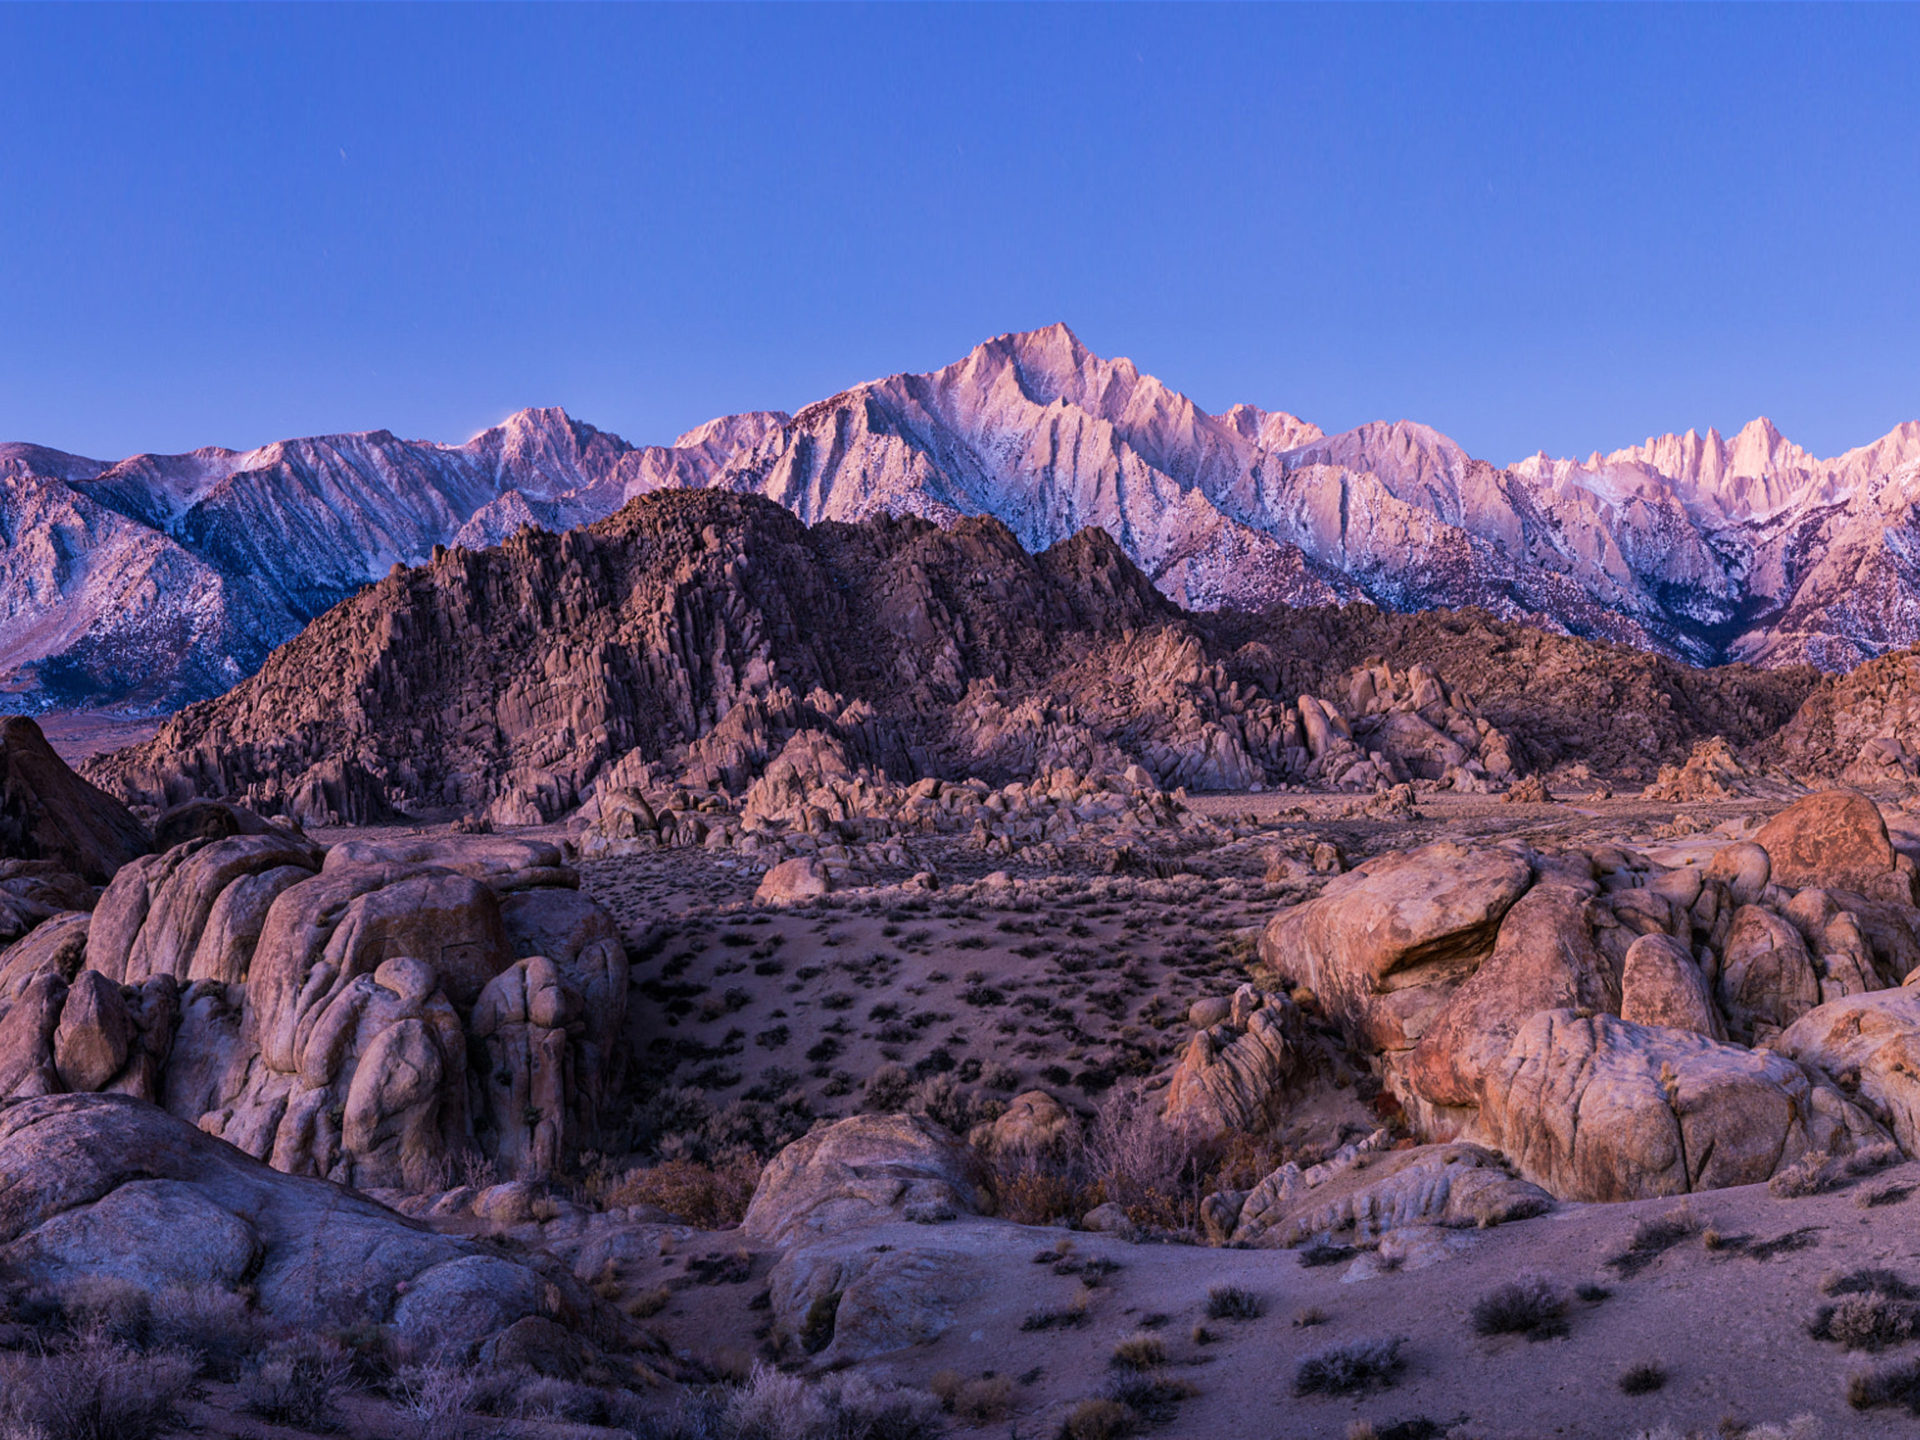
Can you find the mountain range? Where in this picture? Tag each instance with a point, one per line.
(157, 580)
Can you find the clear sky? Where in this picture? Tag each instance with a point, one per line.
(1551, 226)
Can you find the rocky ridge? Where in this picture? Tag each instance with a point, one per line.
(701, 664)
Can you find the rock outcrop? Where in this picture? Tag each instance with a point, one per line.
(371, 1014)
(1591, 1015)
(105, 1187)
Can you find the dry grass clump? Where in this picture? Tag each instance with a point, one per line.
(1531, 1306)
(710, 1197)
(1816, 1172)
(1351, 1369)
(1233, 1302)
(1653, 1237)
(982, 1401)
(1643, 1378)
(1139, 1351)
(1886, 1386)
(93, 1387)
(1099, 1419)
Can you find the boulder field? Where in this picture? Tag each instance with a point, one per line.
(1615, 1028)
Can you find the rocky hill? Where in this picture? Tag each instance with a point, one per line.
(698, 632)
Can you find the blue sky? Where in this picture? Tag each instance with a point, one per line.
(1550, 226)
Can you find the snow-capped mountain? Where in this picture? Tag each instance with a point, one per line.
(165, 578)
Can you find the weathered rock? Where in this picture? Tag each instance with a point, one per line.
(49, 813)
(861, 1171)
(1836, 840)
(1766, 979)
(1870, 1046)
(1231, 1077)
(1375, 1193)
(1593, 1108)
(844, 1302)
(96, 1033)
(1385, 945)
(107, 1186)
(792, 881)
(1544, 959)
(1744, 868)
(1661, 984)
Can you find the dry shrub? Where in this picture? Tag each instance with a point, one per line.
(1150, 1169)
(1531, 1306)
(1867, 1321)
(710, 1197)
(207, 1321)
(93, 1388)
(1350, 1369)
(1139, 1351)
(1038, 1188)
(1884, 1386)
(888, 1090)
(296, 1383)
(842, 1406)
(437, 1398)
(1099, 1420)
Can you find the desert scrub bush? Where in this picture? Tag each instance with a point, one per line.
(981, 1401)
(1099, 1419)
(436, 1398)
(214, 1324)
(1866, 1320)
(1147, 1167)
(1529, 1306)
(1814, 1173)
(1138, 1351)
(841, 1406)
(295, 1382)
(1066, 1317)
(1653, 1237)
(1350, 1369)
(93, 1388)
(710, 1197)
(1884, 1386)
(887, 1090)
(1038, 1187)
(1643, 1378)
(1232, 1302)
(542, 1397)
(1155, 1399)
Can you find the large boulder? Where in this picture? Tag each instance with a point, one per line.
(1836, 840)
(1385, 945)
(49, 813)
(1543, 959)
(1767, 980)
(1870, 1046)
(107, 1187)
(1366, 1195)
(1662, 984)
(1595, 1108)
(862, 1171)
